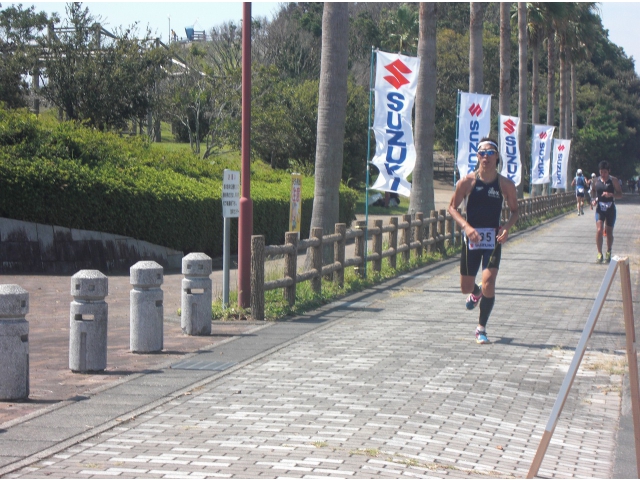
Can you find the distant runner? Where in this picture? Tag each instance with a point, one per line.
(581, 186)
(607, 190)
(483, 235)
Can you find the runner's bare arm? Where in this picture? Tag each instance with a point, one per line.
(510, 196)
(618, 189)
(463, 188)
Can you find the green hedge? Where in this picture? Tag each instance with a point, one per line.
(68, 175)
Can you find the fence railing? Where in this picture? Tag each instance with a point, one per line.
(435, 233)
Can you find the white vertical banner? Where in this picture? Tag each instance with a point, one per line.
(509, 148)
(559, 174)
(541, 153)
(474, 122)
(395, 91)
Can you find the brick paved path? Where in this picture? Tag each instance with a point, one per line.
(395, 386)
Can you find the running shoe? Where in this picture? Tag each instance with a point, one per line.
(599, 258)
(473, 300)
(481, 336)
(607, 257)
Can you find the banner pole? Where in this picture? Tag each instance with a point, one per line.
(531, 164)
(366, 197)
(455, 149)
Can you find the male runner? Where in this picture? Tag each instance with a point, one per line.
(607, 191)
(485, 190)
(581, 185)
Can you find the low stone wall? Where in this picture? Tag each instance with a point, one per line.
(27, 247)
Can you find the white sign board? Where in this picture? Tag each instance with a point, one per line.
(231, 194)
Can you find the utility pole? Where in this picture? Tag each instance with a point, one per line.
(245, 224)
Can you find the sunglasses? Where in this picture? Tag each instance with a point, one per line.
(485, 153)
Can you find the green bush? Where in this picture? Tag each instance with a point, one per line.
(75, 177)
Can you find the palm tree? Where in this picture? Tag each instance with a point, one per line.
(522, 79)
(422, 195)
(475, 46)
(505, 59)
(552, 13)
(332, 105)
(584, 31)
(405, 27)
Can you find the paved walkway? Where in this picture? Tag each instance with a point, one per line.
(386, 383)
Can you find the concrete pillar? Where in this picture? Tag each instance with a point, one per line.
(88, 322)
(14, 343)
(146, 308)
(196, 294)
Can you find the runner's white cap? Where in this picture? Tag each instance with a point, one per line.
(579, 172)
(593, 174)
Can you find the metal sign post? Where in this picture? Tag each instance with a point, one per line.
(627, 303)
(230, 209)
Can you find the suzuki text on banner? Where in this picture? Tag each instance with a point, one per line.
(474, 122)
(541, 153)
(395, 157)
(509, 148)
(560, 163)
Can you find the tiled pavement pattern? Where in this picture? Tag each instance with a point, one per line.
(398, 387)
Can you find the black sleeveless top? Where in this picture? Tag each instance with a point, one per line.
(602, 187)
(484, 204)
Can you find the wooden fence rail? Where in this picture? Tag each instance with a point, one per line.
(435, 233)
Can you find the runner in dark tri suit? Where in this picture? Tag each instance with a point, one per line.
(485, 190)
(581, 188)
(607, 190)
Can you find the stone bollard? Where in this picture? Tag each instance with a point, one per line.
(88, 329)
(14, 343)
(196, 294)
(146, 310)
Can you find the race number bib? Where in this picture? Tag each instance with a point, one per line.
(487, 239)
(604, 206)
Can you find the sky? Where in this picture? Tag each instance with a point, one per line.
(159, 15)
(620, 18)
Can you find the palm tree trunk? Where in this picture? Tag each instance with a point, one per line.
(567, 93)
(522, 82)
(535, 93)
(563, 91)
(535, 80)
(476, 80)
(505, 59)
(551, 77)
(574, 101)
(332, 104)
(422, 194)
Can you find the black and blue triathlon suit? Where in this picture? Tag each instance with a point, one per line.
(484, 209)
(580, 186)
(605, 207)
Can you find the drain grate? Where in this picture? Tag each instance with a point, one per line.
(202, 365)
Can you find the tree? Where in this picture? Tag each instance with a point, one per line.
(19, 30)
(189, 95)
(403, 30)
(332, 103)
(476, 80)
(505, 58)
(522, 81)
(422, 195)
(97, 77)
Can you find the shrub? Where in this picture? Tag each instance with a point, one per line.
(74, 177)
